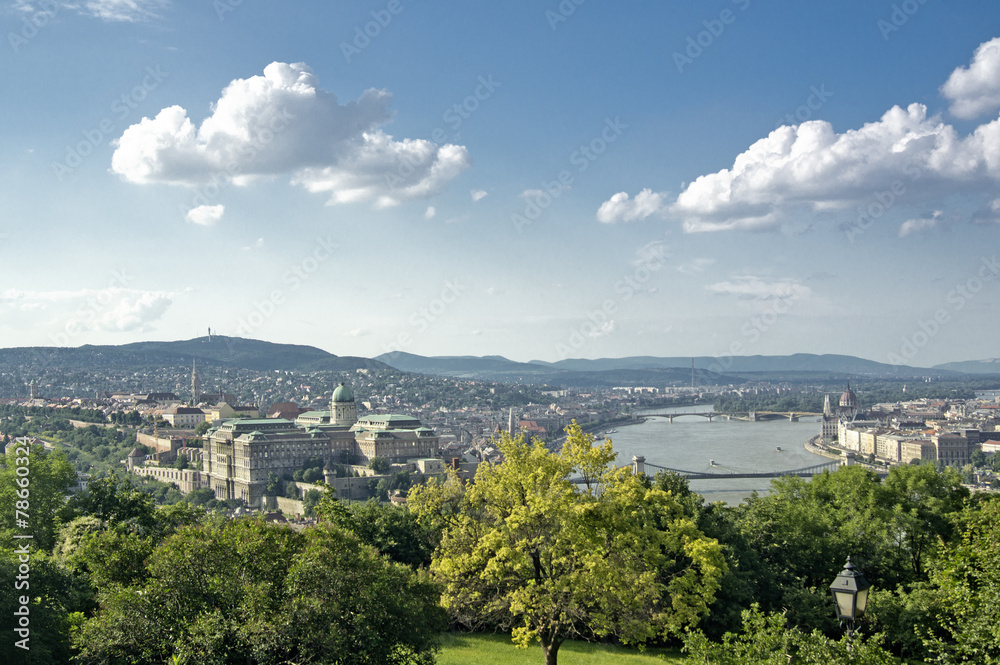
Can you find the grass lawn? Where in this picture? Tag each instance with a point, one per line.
(483, 649)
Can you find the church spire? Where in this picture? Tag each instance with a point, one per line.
(195, 383)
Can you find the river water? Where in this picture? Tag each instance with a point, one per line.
(690, 443)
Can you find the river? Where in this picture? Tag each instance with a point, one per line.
(692, 442)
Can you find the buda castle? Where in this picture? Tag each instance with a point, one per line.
(239, 454)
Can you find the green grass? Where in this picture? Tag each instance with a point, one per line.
(482, 649)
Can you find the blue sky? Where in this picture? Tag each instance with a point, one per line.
(539, 180)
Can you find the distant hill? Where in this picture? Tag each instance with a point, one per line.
(484, 367)
(236, 352)
(798, 362)
(988, 366)
(652, 370)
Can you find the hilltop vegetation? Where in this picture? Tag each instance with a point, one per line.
(621, 559)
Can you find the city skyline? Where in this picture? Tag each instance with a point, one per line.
(538, 181)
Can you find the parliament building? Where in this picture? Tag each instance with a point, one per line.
(240, 454)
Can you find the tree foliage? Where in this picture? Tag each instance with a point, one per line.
(967, 580)
(42, 487)
(246, 592)
(526, 550)
(766, 640)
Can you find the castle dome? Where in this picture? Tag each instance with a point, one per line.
(343, 394)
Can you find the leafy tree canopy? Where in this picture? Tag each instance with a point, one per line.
(526, 549)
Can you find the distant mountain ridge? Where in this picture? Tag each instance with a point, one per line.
(988, 366)
(656, 370)
(219, 350)
(238, 352)
(797, 362)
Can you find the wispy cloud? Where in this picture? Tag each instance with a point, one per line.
(112, 309)
(118, 11)
(748, 287)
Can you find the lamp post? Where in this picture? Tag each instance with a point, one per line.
(850, 592)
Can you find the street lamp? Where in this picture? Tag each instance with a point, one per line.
(850, 591)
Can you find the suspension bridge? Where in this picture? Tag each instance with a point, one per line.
(639, 465)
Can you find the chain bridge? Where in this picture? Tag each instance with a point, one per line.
(640, 464)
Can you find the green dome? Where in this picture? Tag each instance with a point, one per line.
(343, 394)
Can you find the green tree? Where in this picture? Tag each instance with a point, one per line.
(526, 550)
(275, 486)
(312, 475)
(379, 465)
(244, 591)
(766, 640)
(393, 530)
(804, 530)
(309, 502)
(39, 491)
(115, 500)
(967, 579)
(57, 599)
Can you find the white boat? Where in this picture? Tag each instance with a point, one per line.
(712, 462)
(778, 448)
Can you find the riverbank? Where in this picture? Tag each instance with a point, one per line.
(814, 446)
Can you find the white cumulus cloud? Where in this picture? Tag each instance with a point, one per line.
(478, 194)
(430, 212)
(798, 170)
(282, 123)
(975, 90)
(912, 226)
(619, 208)
(206, 215)
(811, 167)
